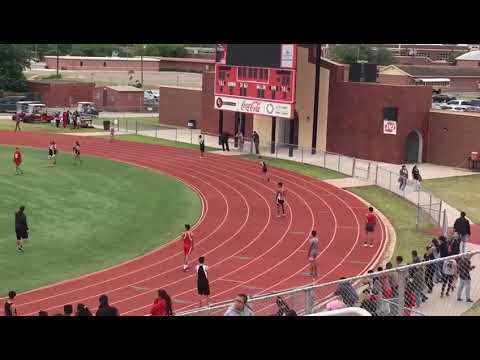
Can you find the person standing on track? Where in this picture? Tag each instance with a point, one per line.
(371, 221)
(18, 118)
(187, 246)
(9, 307)
(313, 253)
(280, 199)
(76, 153)
(265, 170)
(203, 285)
(201, 142)
(21, 227)
(17, 160)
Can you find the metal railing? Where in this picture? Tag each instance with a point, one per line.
(401, 291)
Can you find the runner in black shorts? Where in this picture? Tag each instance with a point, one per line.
(280, 198)
(76, 153)
(21, 227)
(264, 169)
(51, 154)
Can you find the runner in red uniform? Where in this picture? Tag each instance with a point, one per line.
(280, 199)
(187, 246)
(371, 221)
(17, 160)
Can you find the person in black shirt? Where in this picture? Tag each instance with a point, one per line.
(21, 227)
(104, 309)
(9, 306)
(82, 310)
(67, 310)
(462, 228)
(224, 140)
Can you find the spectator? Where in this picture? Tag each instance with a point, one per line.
(429, 268)
(291, 313)
(224, 140)
(464, 268)
(256, 142)
(21, 227)
(42, 313)
(104, 309)
(392, 279)
(347, 293)
(162, 305)
(368, 302)
(444, 251)
(239, 307)
(417, 177)
(449, 269)
(410, 298)
(57, 119)
(403, 179)
(67, 310)
(462, 228)
(387, 291)
(454, 245)
(418, 275)
(9, 307)
(82, 310)
(377, 284)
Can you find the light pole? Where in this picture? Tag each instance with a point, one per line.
(57, 61)
(141, 64)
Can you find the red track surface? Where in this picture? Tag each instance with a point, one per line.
(248, 249)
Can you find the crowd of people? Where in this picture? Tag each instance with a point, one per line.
(403, 178)
(67, 118)
(379, 295)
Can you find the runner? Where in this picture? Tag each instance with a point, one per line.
(201, 141)
(313, 253)
(265, 170)
(371, 221)
(54, 152)
(280, 198)
(187, 246)
(76, 153)
(203, 285)
(9, 307)
(51, 154)
(21, 227)
(17, 160)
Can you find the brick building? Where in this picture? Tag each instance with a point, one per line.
(127, 64)
(60, 93)
(120, 98)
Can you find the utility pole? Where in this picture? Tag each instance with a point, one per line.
(57, 61)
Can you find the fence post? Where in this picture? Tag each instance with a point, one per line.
(417, 218)
(324, 159)
(353, 167)
(136, 127)
(368, 171)
(276, 150)
(191, 136)
(176, 134)
(339, 162)
(308, 301)
(156, 132)
(440, 213)
(390, 182)
(430, 207)
(126, 125)
(302, 153)
(376, 175)
(401, 291)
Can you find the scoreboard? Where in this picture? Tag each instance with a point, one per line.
(256, 78)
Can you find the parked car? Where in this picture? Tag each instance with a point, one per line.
(151, 95)
(474, 106)
(457, 105)
(37, 113)
(87, 108)
(442, 98)
(9, 103)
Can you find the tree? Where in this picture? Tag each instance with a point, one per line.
(453, 55)
(13, 60)
(351, 53)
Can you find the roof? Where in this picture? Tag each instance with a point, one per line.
(58, 81)
(125, 88)
(472, 55)
(116, 58)
(439, 71)
(181, 87)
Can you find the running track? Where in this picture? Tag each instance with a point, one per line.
(248, 249)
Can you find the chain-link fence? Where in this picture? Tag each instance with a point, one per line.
(429, 286)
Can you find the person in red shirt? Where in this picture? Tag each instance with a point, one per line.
(187, 246)
(162, 306)
(371, 221)
(17, 160)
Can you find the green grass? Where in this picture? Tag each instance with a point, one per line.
(129, 122)
(462, 192)
(9, 125)
(402, 215)
(305, 169)
(84, 218)
(158, 141)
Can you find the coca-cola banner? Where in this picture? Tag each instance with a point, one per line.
(389, 127)
(254, 106)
